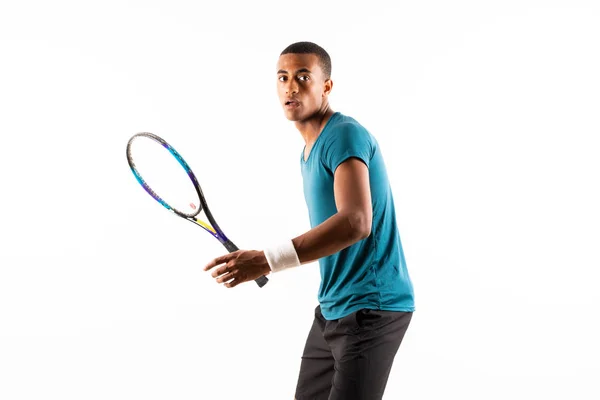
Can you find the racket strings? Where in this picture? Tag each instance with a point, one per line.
(164, 175)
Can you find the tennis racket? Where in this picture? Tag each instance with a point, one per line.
(167, 177)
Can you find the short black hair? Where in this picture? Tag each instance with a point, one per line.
(311, 48)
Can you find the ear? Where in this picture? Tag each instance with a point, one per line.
(327, 87)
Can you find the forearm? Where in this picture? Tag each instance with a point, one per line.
(335, 234)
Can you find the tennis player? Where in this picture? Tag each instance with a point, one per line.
(366, 297)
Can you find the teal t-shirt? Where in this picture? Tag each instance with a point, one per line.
(371, 273)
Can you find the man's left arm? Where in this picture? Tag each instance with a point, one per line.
(353, 219)
(350, 224)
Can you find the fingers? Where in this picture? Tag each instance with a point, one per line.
(231, 279)
(233, 283)
(218, 261)
(219, 271)
(226, 271)
(226, 277)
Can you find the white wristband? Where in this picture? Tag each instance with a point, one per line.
(282, 256)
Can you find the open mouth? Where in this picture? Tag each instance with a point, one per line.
(291, 103)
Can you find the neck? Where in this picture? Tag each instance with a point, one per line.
(311, 128)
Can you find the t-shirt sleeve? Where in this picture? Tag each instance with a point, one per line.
(349, 140)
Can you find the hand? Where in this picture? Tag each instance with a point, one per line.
(239, 266)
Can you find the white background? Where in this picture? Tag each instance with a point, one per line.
(488, 117)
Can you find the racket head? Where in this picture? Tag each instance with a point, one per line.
(164, 174)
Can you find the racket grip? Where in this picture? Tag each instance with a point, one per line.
(230, 246)
(262, 281)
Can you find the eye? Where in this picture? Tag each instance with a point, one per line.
(303, 78)
(282, 78)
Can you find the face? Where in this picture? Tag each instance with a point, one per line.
(301, 86)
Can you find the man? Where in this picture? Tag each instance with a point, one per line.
(366, 296)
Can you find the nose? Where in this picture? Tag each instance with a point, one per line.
(291, 87)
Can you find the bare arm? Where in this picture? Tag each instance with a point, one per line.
(351, 223)
(353, 219)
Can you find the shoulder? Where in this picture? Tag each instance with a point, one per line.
(346, 128)
(347, 138)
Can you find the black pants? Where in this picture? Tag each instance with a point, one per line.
(350, 358)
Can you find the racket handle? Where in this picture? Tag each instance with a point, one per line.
(230, 246)
(262, 281)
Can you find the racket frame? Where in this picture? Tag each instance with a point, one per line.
(213, 228)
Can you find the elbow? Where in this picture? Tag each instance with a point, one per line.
(360, 225)
(365, 232)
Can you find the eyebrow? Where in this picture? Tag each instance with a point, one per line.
(282, 71)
